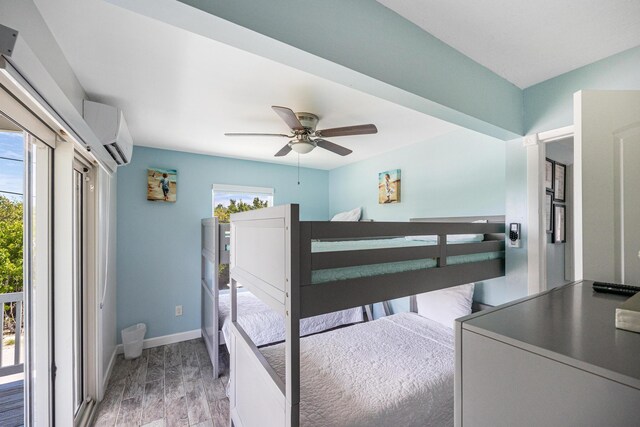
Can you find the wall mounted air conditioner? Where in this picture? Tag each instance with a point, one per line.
(108, 124)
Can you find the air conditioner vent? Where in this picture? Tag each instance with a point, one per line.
(108, 124)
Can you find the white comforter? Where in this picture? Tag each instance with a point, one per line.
(265, 326)
(395, 371)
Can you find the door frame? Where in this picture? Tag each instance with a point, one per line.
(535, 145)
(84, 165)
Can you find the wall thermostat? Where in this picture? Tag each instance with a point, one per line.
(514, 235)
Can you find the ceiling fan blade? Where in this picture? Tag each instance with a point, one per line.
(335, 148)
(283, 151)
(348, 131)
(289, 117)
(257, 134)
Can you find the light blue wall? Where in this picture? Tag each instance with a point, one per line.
(549, 105)
(159, 243)
(515, 285)
(458, 174)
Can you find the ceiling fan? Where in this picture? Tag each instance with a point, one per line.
(305, 137)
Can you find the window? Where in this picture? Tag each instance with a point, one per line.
(228, 199)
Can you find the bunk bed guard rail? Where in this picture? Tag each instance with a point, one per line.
(271, 249)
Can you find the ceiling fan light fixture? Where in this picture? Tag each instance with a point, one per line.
(302, 147)
(303, 128)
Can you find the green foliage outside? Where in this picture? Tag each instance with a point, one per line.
(223, 213)
(10, 245)
(10, 255)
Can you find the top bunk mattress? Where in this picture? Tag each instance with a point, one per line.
(265, 326)
(344, 273)
(397, 370)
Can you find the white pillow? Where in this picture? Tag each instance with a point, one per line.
(352, 215)
(446, 305)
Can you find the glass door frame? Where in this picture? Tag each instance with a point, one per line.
(38, 280)
(39, 143)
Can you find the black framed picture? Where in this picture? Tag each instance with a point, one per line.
(560, 223)
(548, 214)
(559, 181)
(548, 174)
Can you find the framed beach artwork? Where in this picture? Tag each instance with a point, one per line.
(389, 186)
(161, 185)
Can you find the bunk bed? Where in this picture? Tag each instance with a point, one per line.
(302, 269)
(262, 324)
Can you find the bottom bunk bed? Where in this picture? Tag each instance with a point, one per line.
(392, 371)
(264, 326)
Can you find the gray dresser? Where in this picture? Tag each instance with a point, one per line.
(554, 359)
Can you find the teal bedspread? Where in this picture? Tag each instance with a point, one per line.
(333, 274)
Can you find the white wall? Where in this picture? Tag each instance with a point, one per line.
(23, 15)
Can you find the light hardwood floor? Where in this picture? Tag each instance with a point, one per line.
(172, 385)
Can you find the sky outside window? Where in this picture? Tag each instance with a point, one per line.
(11, 171)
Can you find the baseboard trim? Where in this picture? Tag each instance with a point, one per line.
(107, 375)
(166, 339)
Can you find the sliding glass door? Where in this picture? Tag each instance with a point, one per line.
(25, 261)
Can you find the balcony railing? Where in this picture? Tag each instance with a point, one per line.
(14, 363)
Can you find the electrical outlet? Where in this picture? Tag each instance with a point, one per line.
(178, 310)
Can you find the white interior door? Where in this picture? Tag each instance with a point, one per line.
(606, 179)
(627, 204)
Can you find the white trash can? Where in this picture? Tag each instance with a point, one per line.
(132, 339)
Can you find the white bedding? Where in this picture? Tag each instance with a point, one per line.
(265, 326)
(394, 371)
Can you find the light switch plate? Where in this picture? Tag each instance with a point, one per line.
(178, 310)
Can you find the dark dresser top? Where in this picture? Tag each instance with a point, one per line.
(571, 324)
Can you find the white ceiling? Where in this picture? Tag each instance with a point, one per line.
(182, 91)
(528, 41)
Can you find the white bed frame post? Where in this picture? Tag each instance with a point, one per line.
(266, 254)
(292, 303)
(209, 289)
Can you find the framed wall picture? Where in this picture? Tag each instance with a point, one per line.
(389, 186)
(548, 214)
(560, 223)
(162, 185)
(559, 181)
(548, 174)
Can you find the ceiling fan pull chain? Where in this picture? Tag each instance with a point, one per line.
(298, 168)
